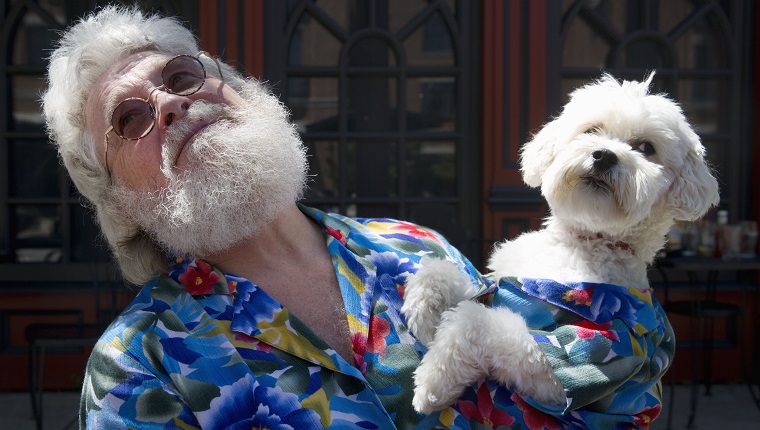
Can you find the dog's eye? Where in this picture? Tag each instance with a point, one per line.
(594, 129)
(644, 147)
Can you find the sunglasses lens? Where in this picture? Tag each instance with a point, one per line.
(183, 75)
(132, 118)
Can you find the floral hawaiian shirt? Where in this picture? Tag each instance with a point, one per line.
(198, 348)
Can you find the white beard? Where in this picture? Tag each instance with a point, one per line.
(242, 171)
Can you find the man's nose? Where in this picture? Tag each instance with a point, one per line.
(170, 107)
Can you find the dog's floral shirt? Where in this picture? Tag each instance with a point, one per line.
(609, 346)
(199, 348)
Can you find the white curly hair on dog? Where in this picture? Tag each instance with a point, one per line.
(616, 167)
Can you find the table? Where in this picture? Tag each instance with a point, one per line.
(707, 307)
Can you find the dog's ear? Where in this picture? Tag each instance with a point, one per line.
(695, 189)
(538, 154)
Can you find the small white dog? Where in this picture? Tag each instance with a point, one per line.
(616, 168)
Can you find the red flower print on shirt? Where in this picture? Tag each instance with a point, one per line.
(484, 412)
(645, 417)
(588, 329)
(535, 419)
(359, 344)
(580, 297)
(414, 230)
(379, 328)
(255, 343)
(199, 281)
(336, 234)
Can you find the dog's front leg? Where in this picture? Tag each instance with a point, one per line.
(438, 286)
(452, 362)
(472, 342)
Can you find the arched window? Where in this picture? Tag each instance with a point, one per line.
(382, 95)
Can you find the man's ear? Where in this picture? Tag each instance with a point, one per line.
(538, 154)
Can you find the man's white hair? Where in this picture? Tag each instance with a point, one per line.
(84, 53)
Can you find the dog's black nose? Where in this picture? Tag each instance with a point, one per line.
(604, 159)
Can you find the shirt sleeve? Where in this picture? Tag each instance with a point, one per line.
(119, 392)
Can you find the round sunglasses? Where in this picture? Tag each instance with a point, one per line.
(134, 118)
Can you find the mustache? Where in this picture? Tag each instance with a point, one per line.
(199, 112)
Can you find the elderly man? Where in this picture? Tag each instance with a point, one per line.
(256, 312)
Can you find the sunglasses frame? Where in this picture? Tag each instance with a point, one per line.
(163, 88)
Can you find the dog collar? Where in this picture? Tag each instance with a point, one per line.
(625, 246)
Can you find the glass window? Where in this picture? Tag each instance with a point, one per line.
(372, 104)
(432, 103)
(324, 169)
(314, 103)
(37, 234)
(372, 169)
(34, 169)
(431, 168)
(379, 103)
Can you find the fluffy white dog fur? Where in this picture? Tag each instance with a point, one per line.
(617, 167)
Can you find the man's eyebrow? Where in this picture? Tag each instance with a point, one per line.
(113, 99)
(115, 96)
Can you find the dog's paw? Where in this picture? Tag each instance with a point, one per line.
(435, 288)
(432, 394)
(452, 361)
(518, 361)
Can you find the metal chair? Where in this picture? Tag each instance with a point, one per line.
(702, 311)
(64, 338)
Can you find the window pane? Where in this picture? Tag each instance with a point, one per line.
(314, 103)
(431, 44)
(34, 37)
(375, 211)
(703, 46)
(701, 100)
(718, 159)
(441, 218)
(34, 169)
(372, 104)
(584, 46)
(372, 169)
(400, 12)
(645, 53)
(25, 93)
(343, 12)
(432, 104)
(313, 45)
(568, 85)
(431, 169)
(37, 233)
(672, 12)
(87, 242)
(613, 11)
(324, 169)
(371, 52)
